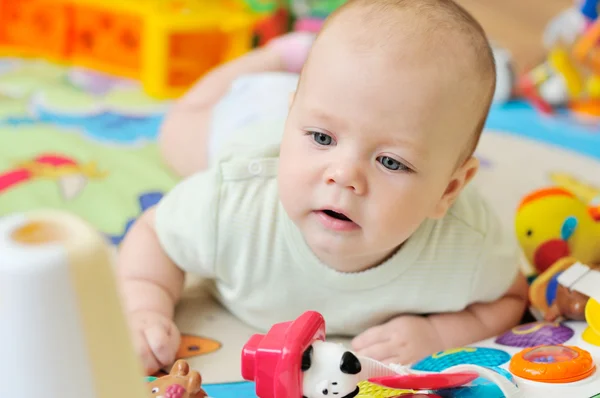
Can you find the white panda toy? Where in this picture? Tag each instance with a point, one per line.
(330, 370)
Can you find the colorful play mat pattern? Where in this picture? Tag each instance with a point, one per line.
(84, 142)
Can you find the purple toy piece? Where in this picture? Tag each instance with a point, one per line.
(536, 333)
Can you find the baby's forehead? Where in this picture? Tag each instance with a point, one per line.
(433, 42)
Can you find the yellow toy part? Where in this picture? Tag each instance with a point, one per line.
(370, 390)
(560, 59)
(582, 189)
(592, 316)
(552, 223)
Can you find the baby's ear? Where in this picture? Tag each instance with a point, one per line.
(461, 177)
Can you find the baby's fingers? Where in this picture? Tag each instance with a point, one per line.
(149, 361)
(163, 342)
(379, 351)
(370, 337)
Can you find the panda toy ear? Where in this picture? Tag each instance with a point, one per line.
(307, 359)
(350, 364)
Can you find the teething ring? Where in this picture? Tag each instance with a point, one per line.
(553, 364)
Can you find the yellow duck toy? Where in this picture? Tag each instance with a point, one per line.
(556, 228)
(553, 223)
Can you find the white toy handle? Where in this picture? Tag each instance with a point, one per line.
(509, 389)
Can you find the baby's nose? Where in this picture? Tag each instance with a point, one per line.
(347, 176)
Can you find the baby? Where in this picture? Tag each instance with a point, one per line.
(345, 190)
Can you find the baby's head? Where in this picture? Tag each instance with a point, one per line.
(383, 126)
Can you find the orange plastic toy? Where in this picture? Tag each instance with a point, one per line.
(553, 364)
(166, 44)
(586, 49)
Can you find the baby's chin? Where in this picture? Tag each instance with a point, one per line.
(345, 254)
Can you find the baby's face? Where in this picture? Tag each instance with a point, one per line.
(370, 146)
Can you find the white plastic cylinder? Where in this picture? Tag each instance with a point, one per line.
(41, 344)
(62, 333)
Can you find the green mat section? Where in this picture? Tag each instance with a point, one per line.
(79, 141)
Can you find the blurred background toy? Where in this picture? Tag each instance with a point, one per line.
(569, 78)
(505, 75)
(165, 44)
(309, 15)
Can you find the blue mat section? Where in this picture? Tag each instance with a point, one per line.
(561, 130)
(230, 390)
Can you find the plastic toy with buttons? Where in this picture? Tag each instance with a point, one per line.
(54, 267)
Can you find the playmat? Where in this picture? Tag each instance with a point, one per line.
(83, 142)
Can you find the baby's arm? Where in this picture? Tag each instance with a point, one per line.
(151, 285)
(408, 338)
(483, 320)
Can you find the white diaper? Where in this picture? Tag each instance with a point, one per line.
(252, 99)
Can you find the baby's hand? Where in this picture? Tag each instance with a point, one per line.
(156, 339)
(402, 340)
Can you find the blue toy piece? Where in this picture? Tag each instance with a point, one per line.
(489, 357)
(551, 289)
(568, 228)
(589, 8)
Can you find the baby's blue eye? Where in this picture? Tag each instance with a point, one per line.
(391, 164)
(322, 138)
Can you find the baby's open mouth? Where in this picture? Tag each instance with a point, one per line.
(337, 216)
(336, 221)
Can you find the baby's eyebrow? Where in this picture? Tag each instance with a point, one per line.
(398, 140)
(327, 118)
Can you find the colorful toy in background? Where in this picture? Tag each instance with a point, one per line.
(286, 15)
(165, 44)
(309, 15)
(505, 75)
(570, 76)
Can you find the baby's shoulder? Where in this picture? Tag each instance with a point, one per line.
(472, 210)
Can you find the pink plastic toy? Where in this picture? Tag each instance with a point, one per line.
(426, 381)
(273, 361)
